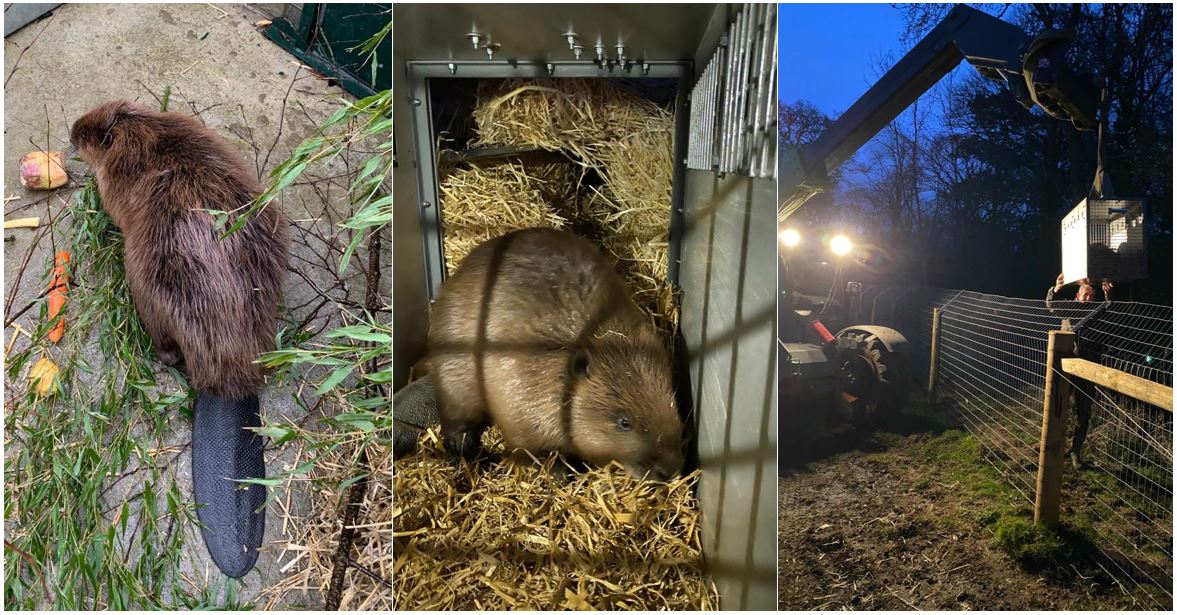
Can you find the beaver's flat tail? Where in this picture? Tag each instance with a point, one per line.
(414, 408)
(224, 450)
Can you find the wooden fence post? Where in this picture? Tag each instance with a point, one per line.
(934, 365)
(1051, 446)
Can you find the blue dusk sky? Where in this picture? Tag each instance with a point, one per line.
(829, 52)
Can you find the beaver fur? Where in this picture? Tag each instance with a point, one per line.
(535, 332)
(206, 302)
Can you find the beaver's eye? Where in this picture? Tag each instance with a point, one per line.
(623, 423)
(107, 139)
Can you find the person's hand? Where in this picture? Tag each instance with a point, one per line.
(1107, 286)
(1058, 282)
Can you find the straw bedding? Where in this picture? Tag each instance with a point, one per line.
(520, 535)
(309, 556)
(605, 132)
(525, 534)
(484, 201)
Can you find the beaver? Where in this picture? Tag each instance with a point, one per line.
(208, 302)
(536, 333)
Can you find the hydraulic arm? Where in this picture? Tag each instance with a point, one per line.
(1034, 68)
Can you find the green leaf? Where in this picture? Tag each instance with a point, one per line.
(321, 360)
(289, 176)
(265, 482)
(364, 103)
(239, 223)
(308, 146)
(368, 168)
(351, 481)
(278, 433)
(361, 421)
(335, 117)
(335, 378)
(351, 248)
(375, 213)
(363, 333)
(382, 127)
(373, 403)
(383, 376)
(303, 469)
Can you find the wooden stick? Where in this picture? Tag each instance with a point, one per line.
(1135, 387)
(1048, 495)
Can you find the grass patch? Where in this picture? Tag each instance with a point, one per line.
(958, 463)
(990, 502)
(959, 459)
(1037, 547)
(987, 499)
(925, 436)
(95, 515)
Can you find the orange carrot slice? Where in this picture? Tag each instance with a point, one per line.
(57, 292)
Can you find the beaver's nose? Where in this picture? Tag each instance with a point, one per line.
(669, 468)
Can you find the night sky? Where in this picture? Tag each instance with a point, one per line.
(828, 52)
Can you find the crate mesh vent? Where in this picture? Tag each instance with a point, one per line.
(733, 105)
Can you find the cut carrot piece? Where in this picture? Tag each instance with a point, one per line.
(57, 292)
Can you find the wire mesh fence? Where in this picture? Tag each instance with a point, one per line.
(992, 371)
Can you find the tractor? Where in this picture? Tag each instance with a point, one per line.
(860, 370)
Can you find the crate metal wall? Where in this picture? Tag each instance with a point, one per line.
(729, 327)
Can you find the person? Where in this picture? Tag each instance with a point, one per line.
(1085, 292)
(1083, 391)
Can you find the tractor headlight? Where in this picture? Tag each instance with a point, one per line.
(790, 237)
(841, 245)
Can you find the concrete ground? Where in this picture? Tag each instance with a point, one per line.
(219, 64)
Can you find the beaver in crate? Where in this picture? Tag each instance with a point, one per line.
(536, 333)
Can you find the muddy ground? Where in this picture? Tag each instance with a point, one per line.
(903, 518)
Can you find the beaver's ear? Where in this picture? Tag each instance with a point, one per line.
(126, 107)
(580, 362)
(112, 113)
(97, 129)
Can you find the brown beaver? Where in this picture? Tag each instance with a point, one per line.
(207, 301)
(536, 333)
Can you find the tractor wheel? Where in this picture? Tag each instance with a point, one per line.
(857, 395)
(893, 382)
(874, 385)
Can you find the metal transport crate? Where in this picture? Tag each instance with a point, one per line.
(1104, 238)
(713, 68)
